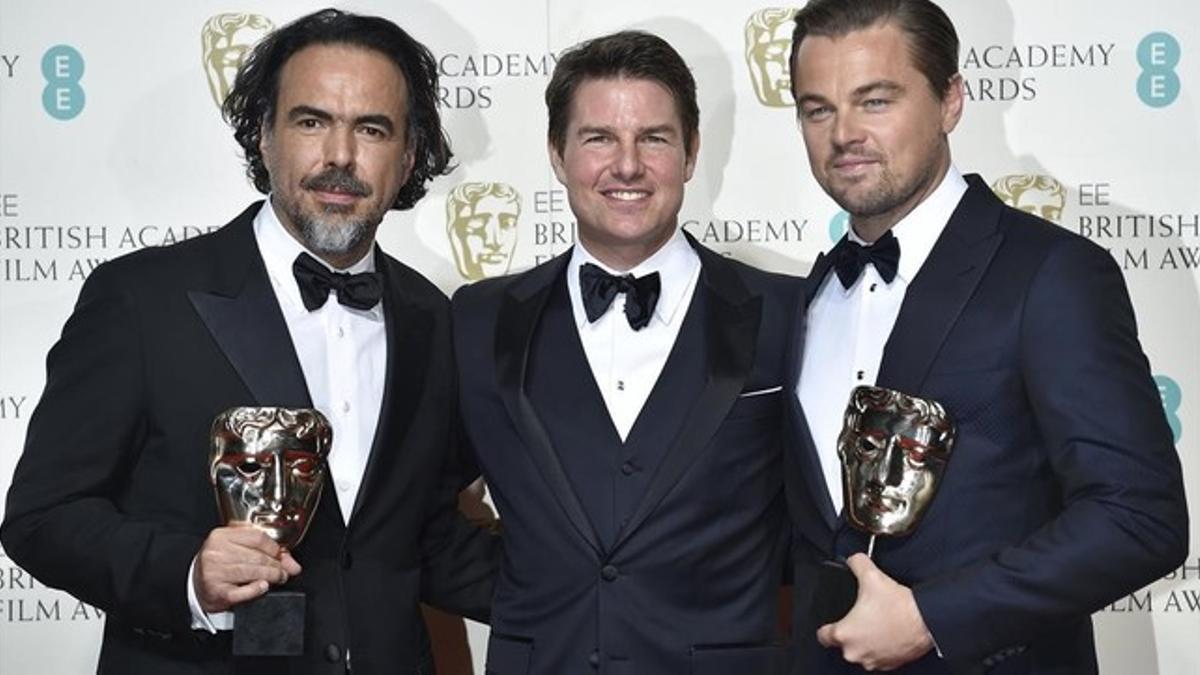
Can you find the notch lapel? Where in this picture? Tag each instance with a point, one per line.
(519, 314)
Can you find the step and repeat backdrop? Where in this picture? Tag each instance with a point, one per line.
(1084, 111)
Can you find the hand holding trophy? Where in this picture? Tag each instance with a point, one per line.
(267, 466)
(894, 449)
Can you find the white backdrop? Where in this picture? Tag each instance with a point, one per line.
(110, 140)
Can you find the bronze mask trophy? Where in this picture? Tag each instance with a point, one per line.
(894, 449)
(267, 466)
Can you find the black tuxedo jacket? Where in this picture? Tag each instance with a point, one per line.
(111, 500)
(1064, 489)
(662, 554)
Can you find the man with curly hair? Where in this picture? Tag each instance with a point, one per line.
(290, 304)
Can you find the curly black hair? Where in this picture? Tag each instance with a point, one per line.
(251, 102)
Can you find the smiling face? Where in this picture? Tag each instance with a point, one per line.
(874, 129)
(894, 450)
(337, 150)
(624, 165)
(267, 466)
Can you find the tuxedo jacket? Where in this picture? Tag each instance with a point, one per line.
(1063, 491)
(111, 499)
(662, 554)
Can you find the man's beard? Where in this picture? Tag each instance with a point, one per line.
(333, 232)
(331, 237)
(884, 196)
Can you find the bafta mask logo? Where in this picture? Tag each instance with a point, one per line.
(1041, 195)
(225, 39)
(481, 223)
(267, 466)
(768, 48)
(894, 448)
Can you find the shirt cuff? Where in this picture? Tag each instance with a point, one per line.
(202, 620)
(936, 649)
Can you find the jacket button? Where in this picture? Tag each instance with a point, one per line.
(609, 572)
(594, 659)
(333, 653)
(347, 560)
(627, 468)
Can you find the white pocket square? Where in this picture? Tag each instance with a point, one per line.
(760, 392)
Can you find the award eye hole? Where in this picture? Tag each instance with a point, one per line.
(914, 451)
(249, 467)
(305, 468)
(867, 445)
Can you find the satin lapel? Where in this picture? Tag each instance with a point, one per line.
(520, 311)
(244, 318)
(409, 332)
(816, 275)
(802, 448)
(731, 332)
(941, 289)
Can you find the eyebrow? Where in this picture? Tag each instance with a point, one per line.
(879, 86)
(657, 129)
(309, 111)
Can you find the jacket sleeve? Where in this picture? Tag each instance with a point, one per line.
(460, 559)
(62, 521)
(1123, 521)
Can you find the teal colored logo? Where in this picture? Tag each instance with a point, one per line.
(838, 225)
(1172, 398)
(63, 97)
(1158, 84)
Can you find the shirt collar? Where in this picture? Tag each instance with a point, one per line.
(677, 265)
(918, 231)
(279, 250)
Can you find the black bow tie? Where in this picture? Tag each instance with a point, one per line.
(359, 291)
(599, 288)
(849, 258)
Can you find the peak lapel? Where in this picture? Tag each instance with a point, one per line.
(409, 335)
(520, 311)
(243, 316)
(731, 332)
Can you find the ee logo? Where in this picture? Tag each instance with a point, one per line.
(1158, 54)
(838, 225)
(62, 66)
(1172, 397)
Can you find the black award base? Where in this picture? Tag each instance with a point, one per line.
(836, 591)
(271, 625)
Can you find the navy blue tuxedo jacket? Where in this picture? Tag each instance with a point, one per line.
(111, 499)
(663, 554)
(1063, 491)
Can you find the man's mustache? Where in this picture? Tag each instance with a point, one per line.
(337, 179)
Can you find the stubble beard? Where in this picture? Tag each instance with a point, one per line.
(883, 197)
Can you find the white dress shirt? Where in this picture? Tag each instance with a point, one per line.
(847, 328)
(626, 363)
(343, 354)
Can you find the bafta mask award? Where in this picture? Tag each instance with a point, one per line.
(893, 449)
(267, 466)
